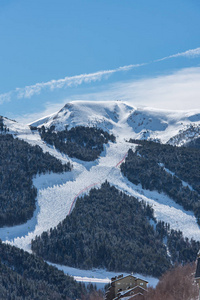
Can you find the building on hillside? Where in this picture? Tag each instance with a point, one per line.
(197, 274)
(126, 287)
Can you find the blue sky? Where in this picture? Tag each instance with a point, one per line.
(45, 40)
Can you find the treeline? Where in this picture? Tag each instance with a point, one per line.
(108, 229)
(19, 162)
(25, 276)
(146, 166)
(85, 143)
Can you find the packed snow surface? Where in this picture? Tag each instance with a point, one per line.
(57, 193)
(100, 277)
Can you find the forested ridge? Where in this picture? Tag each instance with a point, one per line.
(108, 229)
(19, 162)
(26, 276)
(148, 164)
(85, 143)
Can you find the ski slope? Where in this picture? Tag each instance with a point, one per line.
(100, 277)
(57, 193)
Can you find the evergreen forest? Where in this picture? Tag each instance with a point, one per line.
(108, 229)
(166, 168)
(25, 276)
(85, 143)
(195, 143)
(19, 163)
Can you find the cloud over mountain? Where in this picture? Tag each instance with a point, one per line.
(69, 81)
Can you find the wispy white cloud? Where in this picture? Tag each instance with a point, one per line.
(179, 90)
(189, 53)
(6, 97)
(29, 91)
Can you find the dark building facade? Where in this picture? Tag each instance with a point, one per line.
(129, 286)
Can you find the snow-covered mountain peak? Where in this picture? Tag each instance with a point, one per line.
(103, 115)
(120, 118)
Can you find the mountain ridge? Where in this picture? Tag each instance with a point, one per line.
(114, 116)
(143, 123)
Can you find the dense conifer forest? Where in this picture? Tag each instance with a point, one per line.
(85, 143)
(194, 143)
(150, 166)
(19, 162)
(25, 276)
(109, 229)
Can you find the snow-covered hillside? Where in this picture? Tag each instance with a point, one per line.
(14, 127)
(187, 135)
(115, 116)
(56, 193)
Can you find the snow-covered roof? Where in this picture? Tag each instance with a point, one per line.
(121, 278)
(130, 290)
